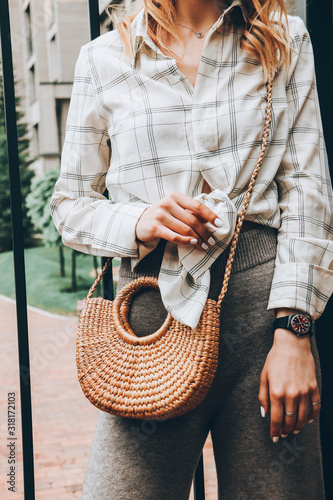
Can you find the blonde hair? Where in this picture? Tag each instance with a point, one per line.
(265, 35)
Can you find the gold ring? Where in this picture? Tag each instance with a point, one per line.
(316, 403)
(290, 414)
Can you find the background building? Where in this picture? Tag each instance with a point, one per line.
(47, 36)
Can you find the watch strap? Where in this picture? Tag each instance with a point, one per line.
(285, 322)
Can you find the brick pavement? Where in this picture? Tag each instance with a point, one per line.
(63, 419)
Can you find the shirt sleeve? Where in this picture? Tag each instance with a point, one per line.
(303, 278)
(87, 220)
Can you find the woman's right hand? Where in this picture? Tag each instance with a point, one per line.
(180, 219)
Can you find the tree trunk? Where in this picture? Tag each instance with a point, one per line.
(74, 287)
(62, 261)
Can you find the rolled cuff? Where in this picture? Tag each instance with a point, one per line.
(116, 234)
(301, 286)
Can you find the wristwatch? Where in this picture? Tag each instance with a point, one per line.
(300, 324)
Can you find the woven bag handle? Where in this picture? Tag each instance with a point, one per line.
(99, 277)
(268, 118)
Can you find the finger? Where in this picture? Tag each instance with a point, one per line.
(169, 235)
(192, 220)
(289, 421)
(182, 229)
(302, 416)
(315, 408)
(197, 207)
(277, 411)
(263, 395)
(198, 216)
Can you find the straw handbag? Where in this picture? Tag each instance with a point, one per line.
(158, 376)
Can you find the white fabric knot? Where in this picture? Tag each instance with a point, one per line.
(184, 277)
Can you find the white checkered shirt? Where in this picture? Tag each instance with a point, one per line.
(138, 128)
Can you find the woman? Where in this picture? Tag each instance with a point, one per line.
(174, 136)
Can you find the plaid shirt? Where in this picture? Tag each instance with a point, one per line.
(139, 128)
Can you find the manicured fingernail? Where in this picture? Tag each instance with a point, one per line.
(262, 411)
(310, 421)
(295, 432)
(218, 222)
(284, 435)
(193, 241)
(275, 439)
(204, 246)
(211, 241)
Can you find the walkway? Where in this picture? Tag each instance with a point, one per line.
(64, 420)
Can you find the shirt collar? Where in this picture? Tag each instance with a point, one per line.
(140, 35)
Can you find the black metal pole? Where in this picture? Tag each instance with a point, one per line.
(18, 253)
(320, 25)
(93, 10)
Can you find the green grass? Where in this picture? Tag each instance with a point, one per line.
(45, 288)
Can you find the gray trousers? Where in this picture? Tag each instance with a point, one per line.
(134, 459)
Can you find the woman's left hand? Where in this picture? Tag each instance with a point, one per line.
(288, 383)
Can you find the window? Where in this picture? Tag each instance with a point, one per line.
(32, 84)
(35, 141)
(54, 65)
(62, 106)
(28, 30)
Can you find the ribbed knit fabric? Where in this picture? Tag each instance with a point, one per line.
(254, 247)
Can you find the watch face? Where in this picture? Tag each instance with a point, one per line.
(300, 324)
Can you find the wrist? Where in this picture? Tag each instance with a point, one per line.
(284, 335)
(285, 311)
(136, 230)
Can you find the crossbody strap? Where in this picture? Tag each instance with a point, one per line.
(268, 119)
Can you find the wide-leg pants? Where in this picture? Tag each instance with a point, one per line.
(134, 459)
